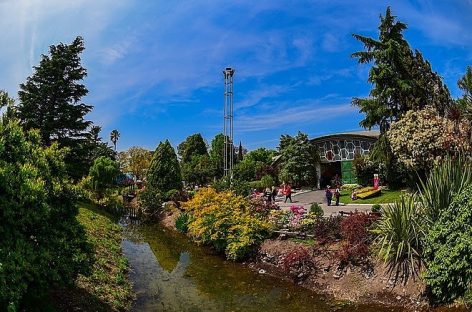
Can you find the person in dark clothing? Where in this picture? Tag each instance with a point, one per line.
(274, 193)
(329, 195)
(337, 194)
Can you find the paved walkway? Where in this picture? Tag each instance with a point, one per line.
(318, 196)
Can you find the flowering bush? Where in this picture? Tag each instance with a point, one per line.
(421, 138)
(224, 221)
(260, 208)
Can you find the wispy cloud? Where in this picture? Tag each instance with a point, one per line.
(312, 112)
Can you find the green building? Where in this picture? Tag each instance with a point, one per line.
(337, 152)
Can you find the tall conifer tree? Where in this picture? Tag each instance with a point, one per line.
(51, 101)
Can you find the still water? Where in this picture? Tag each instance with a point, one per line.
(170, 273)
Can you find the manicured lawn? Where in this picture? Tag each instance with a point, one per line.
(387, 196)
(107, 288)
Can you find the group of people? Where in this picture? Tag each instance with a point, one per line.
(329, 195)
(271, 193)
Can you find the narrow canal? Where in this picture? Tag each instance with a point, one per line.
(170, 273)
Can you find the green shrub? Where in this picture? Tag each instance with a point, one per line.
(256, 185)
(316, 209)
(241, 187)
(41, 241)
(173, 195)
(376, 208)
(448, 250)
(182, 221)
(267, 181)
(151, 201)
(399, 233)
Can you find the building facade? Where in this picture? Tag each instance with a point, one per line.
(337, 152)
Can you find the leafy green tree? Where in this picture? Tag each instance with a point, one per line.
(247, 169)
(7, 102)
(42, 243)
(199, 170)
(114, 136)
(164, 172)
(217, 154)
(193, 145)
(50, 100)
(299, 158)
(135, 160)
(402, 80)
(261, 154)
(103, 173)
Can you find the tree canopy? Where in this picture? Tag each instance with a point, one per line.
(135, 160)
(194, 145)
(402, 80)
(164, 171)
(51, 101)
(299, 158)
(103, 173)
(42, 243)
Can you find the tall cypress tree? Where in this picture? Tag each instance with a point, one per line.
(402, 80)
(50, 100)
(164, 172)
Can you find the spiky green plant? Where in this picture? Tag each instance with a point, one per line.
(445, 180)
(399, 234)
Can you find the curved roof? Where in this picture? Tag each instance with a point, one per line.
(370, 134)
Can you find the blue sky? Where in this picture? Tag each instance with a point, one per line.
(155, 67)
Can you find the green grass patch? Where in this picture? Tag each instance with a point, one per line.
(386, 196)
(107, 288)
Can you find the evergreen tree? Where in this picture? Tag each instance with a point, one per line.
(240, 152)
(164, 172)
(50, 100)
(402, 80)
(193, 145)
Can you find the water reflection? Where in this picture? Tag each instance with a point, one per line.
(171, 274)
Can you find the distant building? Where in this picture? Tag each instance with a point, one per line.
(337, 152)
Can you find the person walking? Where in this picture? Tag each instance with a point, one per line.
(268, 194)
(329, 195)
(337, 194)
(274, 193)
(287, 192)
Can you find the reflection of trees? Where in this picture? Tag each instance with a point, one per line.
(167, 278)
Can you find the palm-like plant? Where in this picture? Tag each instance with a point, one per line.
(399, 234)
(444, 181)
(114, 135)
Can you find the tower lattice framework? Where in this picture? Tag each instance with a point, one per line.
(228, 128)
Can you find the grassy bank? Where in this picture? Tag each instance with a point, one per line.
(387, 196)
(107, 288)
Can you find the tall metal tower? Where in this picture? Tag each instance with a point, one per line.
(228, 123)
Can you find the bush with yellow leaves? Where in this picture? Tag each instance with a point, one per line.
(224, 221)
